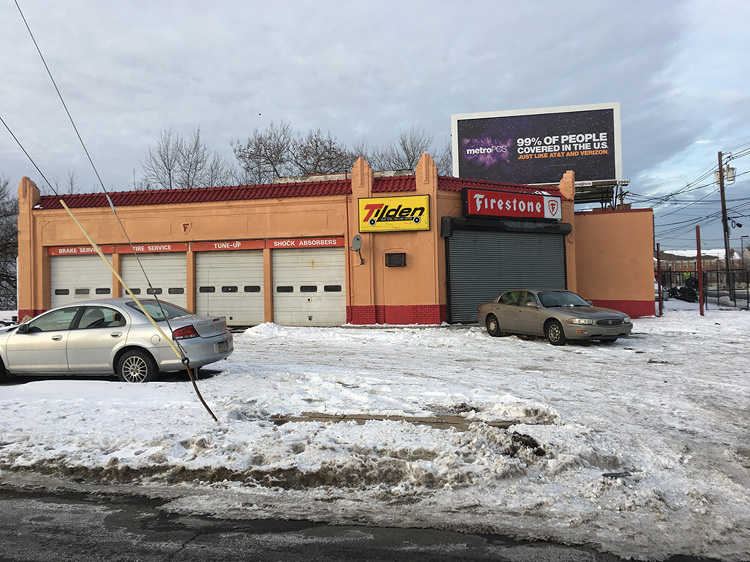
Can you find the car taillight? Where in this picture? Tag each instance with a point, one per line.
(185, 333)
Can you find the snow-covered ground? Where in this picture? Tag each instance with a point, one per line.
(640, 448)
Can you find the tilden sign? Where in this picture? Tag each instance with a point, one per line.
(489, 203)
(393, 214)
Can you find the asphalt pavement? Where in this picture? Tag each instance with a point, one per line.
(72, 526)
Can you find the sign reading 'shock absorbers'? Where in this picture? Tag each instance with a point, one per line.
(390, 214)
(488, 203)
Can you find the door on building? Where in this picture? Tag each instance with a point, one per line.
(230, 284)
(79, 278)
(309, 287)
(167, 273)
(483, 264)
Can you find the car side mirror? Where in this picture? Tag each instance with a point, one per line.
(532, 304)
(22, 329)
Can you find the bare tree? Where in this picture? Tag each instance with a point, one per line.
(405, 153)
(182, 163)
(8, 245)
(266, 154)
(444, 161)
(160, 167)
(320, 154)
(278, 152)
(70, 182)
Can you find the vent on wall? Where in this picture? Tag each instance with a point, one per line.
(395, 259)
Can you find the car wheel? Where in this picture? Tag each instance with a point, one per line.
(136, 366)
(554, 332)
(493, 326)
(608, 340)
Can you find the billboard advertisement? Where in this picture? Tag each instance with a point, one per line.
(392, 214)
(537, 146)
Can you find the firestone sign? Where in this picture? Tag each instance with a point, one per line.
(489, 203)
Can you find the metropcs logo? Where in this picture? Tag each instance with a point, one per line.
(500, 148)
(390, 214)
(488, 203)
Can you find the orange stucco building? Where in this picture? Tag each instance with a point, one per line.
(360, 248)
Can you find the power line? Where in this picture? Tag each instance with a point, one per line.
(184, 358)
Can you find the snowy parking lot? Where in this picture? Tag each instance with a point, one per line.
(639, 448)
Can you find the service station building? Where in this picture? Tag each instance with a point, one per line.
(357, 248)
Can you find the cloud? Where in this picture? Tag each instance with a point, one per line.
(365, 71)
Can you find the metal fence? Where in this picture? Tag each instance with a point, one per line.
(717, 291)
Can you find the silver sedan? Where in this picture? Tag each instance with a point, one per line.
(558, 315)
(112, 336)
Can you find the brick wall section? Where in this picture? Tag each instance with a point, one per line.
(361, 314)
(429, 314)
(410, 314)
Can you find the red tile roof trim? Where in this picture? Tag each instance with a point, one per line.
(449, 183)
(391, 184)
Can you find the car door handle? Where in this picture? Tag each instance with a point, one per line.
(56, 338)
(116, 334)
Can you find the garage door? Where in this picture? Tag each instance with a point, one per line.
(309, 287)
(484, 264)
(78, 278)
(167, 273)
(230, 284)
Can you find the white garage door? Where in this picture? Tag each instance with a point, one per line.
(230, 284)
(309, 287)
(167, 273)
(77, 278)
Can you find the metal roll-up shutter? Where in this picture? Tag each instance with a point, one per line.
(78, 278)
(230, 284)
(309, 287)
(167, 273)
(483, 264)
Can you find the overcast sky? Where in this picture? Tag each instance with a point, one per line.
(368, 70)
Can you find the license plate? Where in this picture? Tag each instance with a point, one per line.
(223, 346)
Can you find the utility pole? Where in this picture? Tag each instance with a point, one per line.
(725, 226)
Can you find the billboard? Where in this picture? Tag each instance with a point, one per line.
(537, 146)
(392, 214)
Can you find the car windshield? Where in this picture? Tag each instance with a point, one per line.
(160, 310)
(551, 299)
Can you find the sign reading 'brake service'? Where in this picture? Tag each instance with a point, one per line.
(488, 203)
(392, 214)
